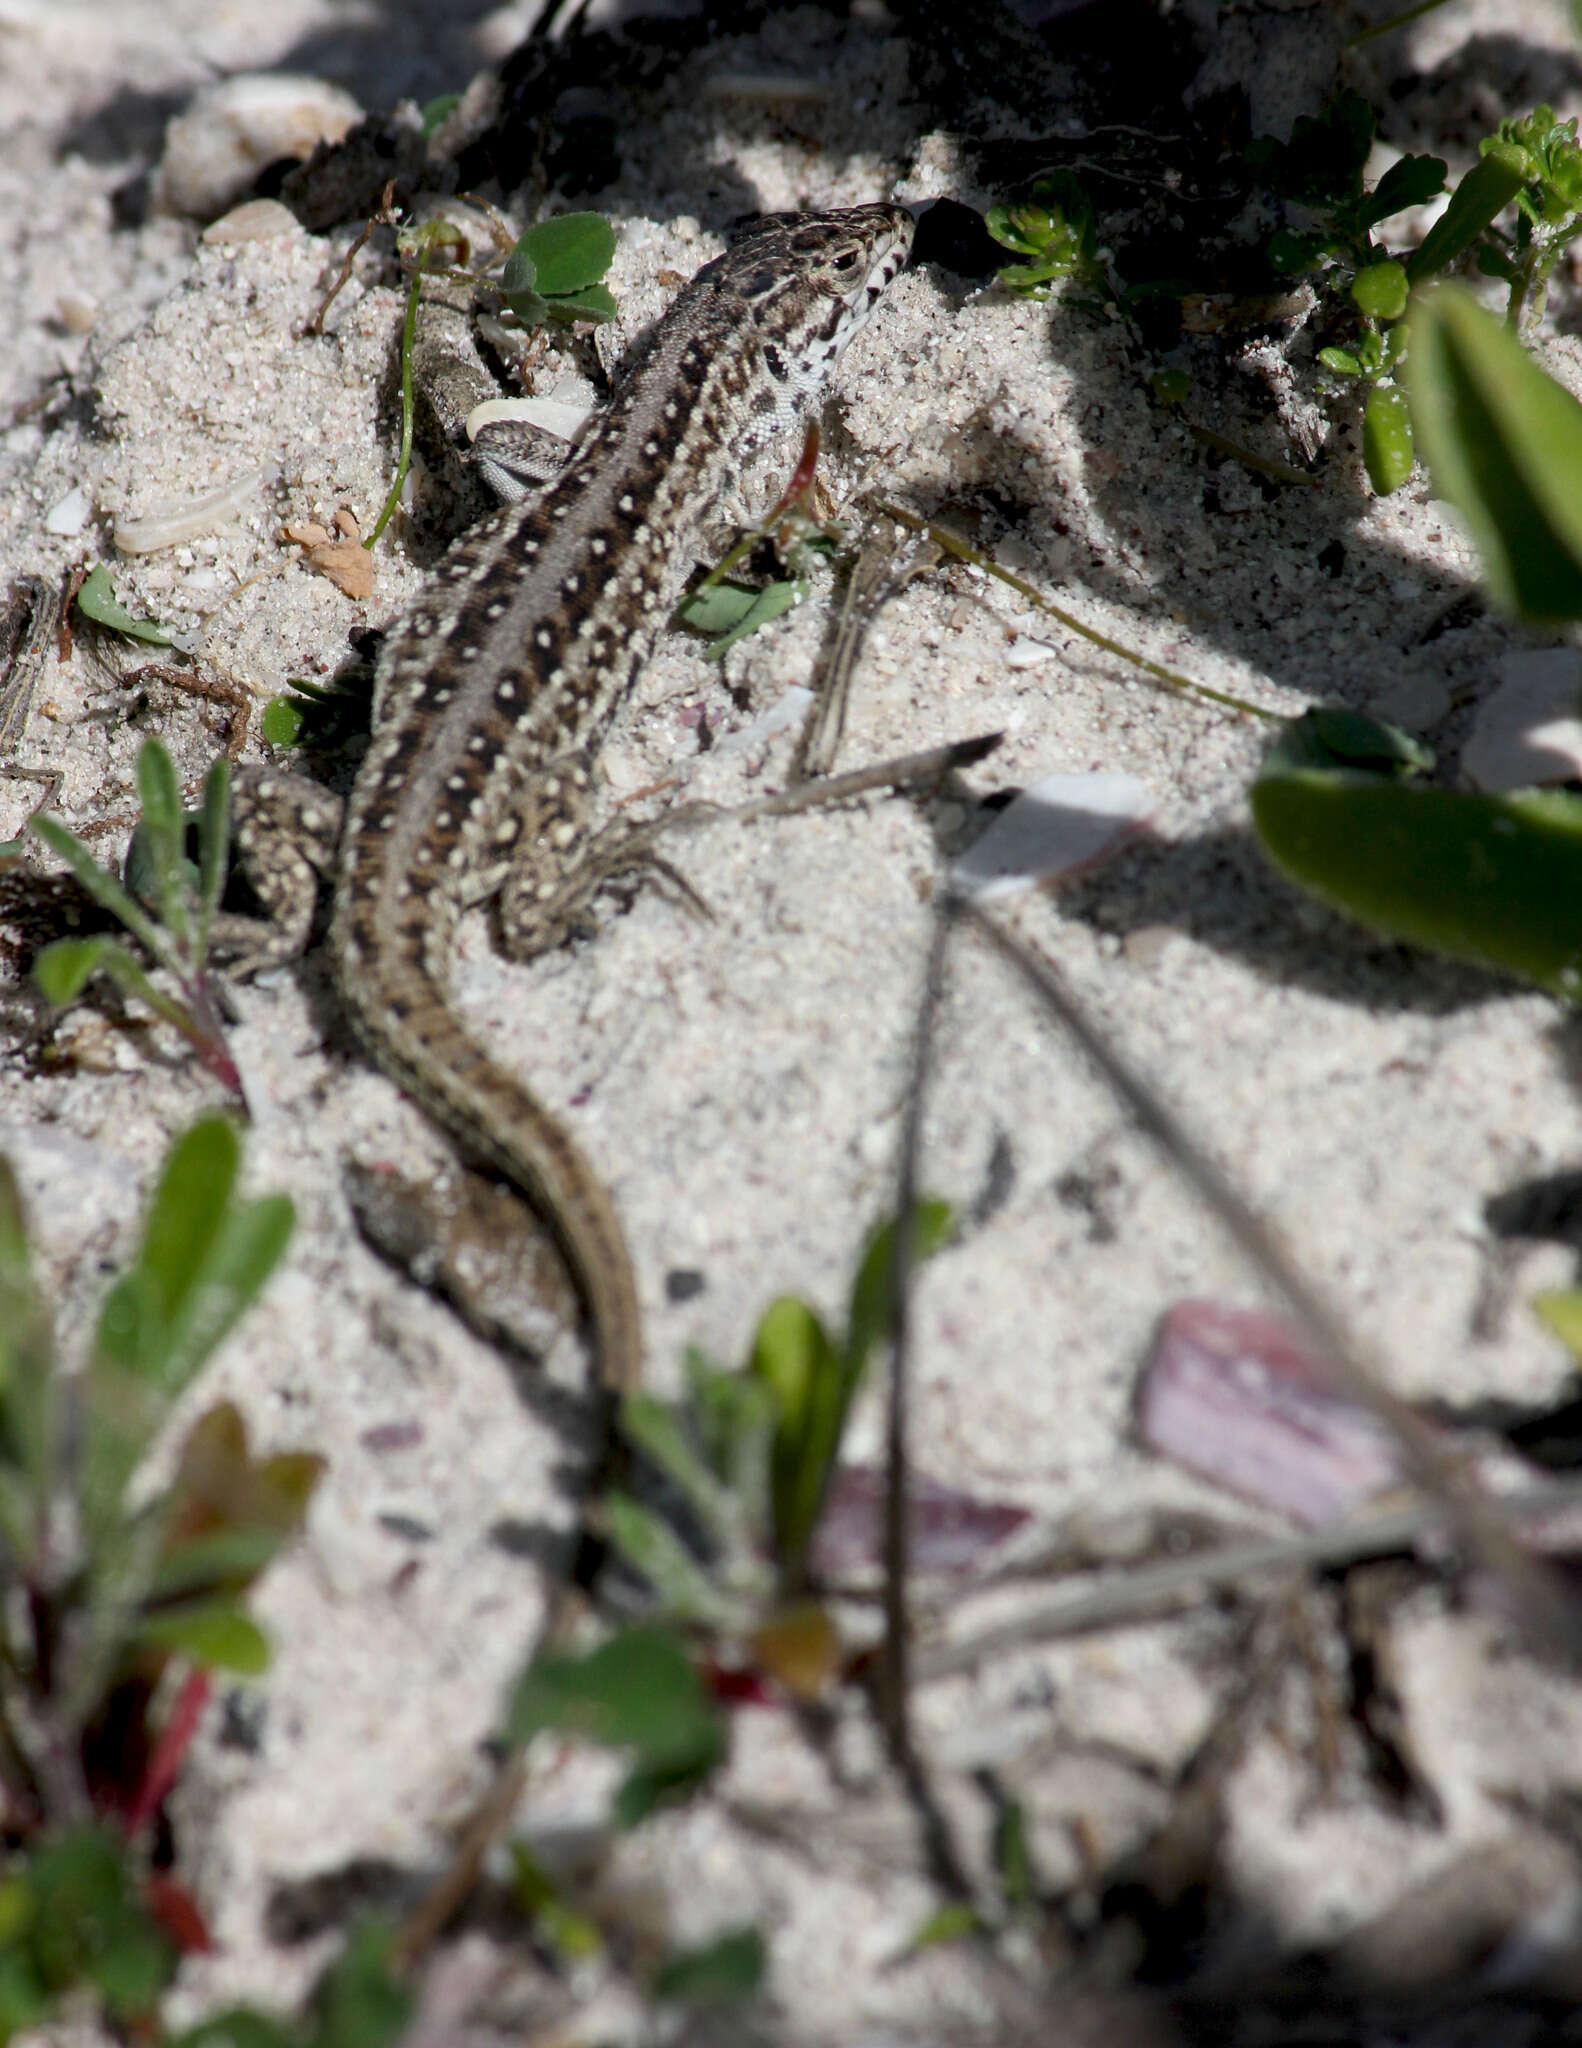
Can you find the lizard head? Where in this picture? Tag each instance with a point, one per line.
(811, 281)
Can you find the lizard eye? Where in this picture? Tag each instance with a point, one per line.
(847, 262)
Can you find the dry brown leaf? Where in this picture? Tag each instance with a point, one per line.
(348, 565)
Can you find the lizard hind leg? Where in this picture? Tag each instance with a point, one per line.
(556, 866)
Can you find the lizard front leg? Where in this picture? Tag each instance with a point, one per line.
(285, 830)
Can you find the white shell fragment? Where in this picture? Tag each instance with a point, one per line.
(1053, 829)
(70, 516)
(1530, 729)
(215, 150)
(1030, 653)
(168, 525)
(785, 714)
(550, 415)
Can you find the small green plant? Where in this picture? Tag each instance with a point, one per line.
(1320, 172)
(111, 1594)
(725, 609)
(1549, 208)
(642, 1692)
(320, 716)
(753, 1454)
(96, 600)
(360, 2002)
(1533, 163)
(1056, 233)
(556, 271)
(185, 896)
(1489, 878)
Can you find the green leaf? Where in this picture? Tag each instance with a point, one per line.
(653, 1549)
(951, 1923)
(639, 1691)
(16, 1909)
(1409, 182)
(872, 1317)
(64, 969)
(361, 2002)
(734, 1415)
(228, 1557)
(813, 1383)
(96, 600)
(89, 1927)
(1341, 361)
(105, 890)
(520, 273)
(1290, 251)
(1561, 1309)
(770, 602)
(656, 1430)
(1486, 190)
(29, 1425)
(185, 1220)
(792, 1357)
(214, 835)
(571, 1934)
(1321, 165)
(214, 1633)
(1380, 291)
(203, 1261)
(1388, 453)
(23, 1998)
(717, 606)
(1013, 1860)
(567, 254)
(437, 111)
(238, 2028)
(282, 722)
(530, 307)
(1334, 736)
(723, 1971)
(1504, 445)
(164, 826)
(1496, 880)
(593, 302)
(733, 610)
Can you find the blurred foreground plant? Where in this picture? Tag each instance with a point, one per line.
(118, 1601)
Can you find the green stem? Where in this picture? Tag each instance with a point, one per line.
(953, 544)
(1383, 28)
(408, 329)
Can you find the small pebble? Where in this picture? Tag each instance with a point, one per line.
(255, 220)
(70, 515)
(76, 311)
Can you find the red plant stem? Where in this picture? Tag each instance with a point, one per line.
(175, 1738)
(801, 477)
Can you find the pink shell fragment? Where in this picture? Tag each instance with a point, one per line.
(950, 1531)
(1237, 1396)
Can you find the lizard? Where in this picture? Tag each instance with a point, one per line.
(493, 692)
